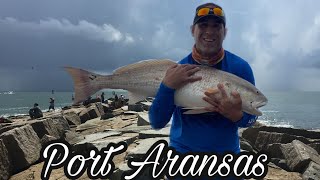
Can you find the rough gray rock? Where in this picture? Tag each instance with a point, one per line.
(53, 126)
(72, 118)
(315, 146)
(117, 174)
(250, 134)
(100, 108)
(111, 114)
(106, 107)
(143, 146)
(265, 138)
(125, 117)
(23, 146)
(280, 163)
(86, 126)
(96, 136)
(130, 113)
(84, 116)
(46, 139)
(274, 150)
(118, 112)
(292, 131)
(5, 166)
(93, 111)
(312, 172)
(134, 129)
(146, 105)
(298, 155)
(8, 127)
(143, 119)
(135, 107)
(107, 115)
(88, 141)
(244, 145)
(72, 137)
(164, 132)
(128, 139)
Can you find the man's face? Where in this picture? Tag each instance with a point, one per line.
(208, 34)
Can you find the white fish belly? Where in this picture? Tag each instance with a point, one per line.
(189, 99)
(190, 95)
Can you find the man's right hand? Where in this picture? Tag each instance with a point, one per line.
(179, 75)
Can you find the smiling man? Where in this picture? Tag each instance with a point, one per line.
(217, 130)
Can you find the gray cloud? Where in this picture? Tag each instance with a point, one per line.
(278, 38)
(83, 29)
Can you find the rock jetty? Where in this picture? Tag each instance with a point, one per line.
(293, 153)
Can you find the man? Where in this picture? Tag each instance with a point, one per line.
(35, 112)
(102, 97)
(216, 131)
(51, 106)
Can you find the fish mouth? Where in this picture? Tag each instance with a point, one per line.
(255, 110)
(259, 104)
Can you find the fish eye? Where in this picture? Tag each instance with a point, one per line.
(257, 92)
(251, 102)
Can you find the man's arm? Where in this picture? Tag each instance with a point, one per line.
(247, 120)
(162, 107)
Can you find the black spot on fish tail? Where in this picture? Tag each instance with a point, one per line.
(92, 77)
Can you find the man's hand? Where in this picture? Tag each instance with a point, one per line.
(180, 74)
(230, 108)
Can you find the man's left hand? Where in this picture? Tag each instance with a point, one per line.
(230, 108)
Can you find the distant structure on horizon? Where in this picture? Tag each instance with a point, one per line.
(52, 92)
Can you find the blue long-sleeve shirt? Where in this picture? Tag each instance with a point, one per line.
(207, 132)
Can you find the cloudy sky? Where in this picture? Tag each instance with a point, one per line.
(279, 38)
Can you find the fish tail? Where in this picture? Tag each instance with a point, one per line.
(85, 83)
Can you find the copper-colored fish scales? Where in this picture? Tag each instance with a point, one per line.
(142, 80)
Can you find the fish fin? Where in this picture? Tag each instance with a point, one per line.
(143, 64)
(135, 97)
(211, 90)
(84, 85)
(196, 111)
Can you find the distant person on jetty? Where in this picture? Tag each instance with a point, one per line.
(102, 97)
(35, 112)
(51, 106)
(116, 98)
(122, 100)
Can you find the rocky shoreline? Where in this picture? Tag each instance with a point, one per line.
(293, 153)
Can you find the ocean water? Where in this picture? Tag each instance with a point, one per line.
(292, 109)
(284, 109)
(19, 103)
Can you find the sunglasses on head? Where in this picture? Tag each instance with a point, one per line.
(205, 11)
